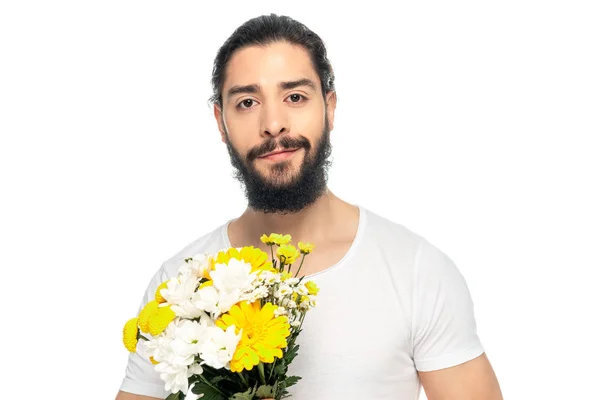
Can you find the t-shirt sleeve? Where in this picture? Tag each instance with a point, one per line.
(140, 376)
(444, 328)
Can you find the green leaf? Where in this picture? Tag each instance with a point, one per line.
(264, 391)
(174, 396)
(247, 395)
(291, 380)
(209, 392)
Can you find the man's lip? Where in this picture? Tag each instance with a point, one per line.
(277, 152)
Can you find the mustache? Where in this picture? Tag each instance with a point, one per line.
(269, 145)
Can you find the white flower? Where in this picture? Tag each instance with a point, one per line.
(230, 282)
(207, 299)
(258, 293)
(269, 278)
(196, 266)
(234, 276)
(217, 351)
(295, 324)
(174, 376)
(179, 293)
(292, 281)
(301, 290)
(284, 290)
(280, 311)
(174, 350)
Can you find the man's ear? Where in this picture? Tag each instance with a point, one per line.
(220, 121)
(330, 104)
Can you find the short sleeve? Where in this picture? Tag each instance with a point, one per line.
(140, 376)
(444, 329)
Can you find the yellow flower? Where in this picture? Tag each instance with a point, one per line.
(253, 256)
(305, 247)
(130, 333)
(144, 316)
(287, 253)
(312, 287)
(285, 276)
(157, 296)
(158, 321)
(276, 238)
(263, 334)
(153, 361)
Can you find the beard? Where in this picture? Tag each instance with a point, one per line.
(282, 191)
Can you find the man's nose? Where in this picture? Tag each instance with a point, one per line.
(274, 120)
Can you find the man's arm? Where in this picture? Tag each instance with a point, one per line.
(472, 380)
(130, 396)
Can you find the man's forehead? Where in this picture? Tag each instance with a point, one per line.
(269, 65)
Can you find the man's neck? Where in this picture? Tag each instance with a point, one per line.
(315, 223)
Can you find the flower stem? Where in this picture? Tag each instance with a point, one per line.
(261, 372)
(243, 379)
(211, 385)
(301, 262)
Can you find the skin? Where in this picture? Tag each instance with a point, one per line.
(247, 120)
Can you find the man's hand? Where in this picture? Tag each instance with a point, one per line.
(130, 396)
(473, 380)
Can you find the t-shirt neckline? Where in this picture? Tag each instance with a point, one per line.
(362, 219)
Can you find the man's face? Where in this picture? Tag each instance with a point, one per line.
(276, 125)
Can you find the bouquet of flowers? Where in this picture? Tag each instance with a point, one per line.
(225, 327)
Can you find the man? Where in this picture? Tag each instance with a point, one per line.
(393, 311)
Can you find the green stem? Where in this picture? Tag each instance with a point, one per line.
(261, 371)
(243, 379)
(300, 267)
(211, 385)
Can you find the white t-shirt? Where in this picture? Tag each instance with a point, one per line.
(394, 305)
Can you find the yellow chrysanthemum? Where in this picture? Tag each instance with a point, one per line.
(144, 316)
(158, 321)
(312, 287)
(287, 253)
(276, 238)
(257, 258)
(130, 333)
(157, 296)
(305, 247)
(263, 334)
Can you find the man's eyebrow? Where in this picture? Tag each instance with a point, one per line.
(254, 88)
(300, 82)
(242, 89)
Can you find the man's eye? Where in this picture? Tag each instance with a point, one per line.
(246, 103)
(296, 97)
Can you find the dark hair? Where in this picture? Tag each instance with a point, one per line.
(267, 29)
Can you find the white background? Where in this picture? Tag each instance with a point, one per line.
(475, 124)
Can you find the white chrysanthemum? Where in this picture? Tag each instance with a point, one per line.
(234, 276)
(178, 294)
(280, 311)
(218, 348)
(174, 351)
(301, 290)
(207, 299)
(197, 266)
(284, 290)
(269, 278)
(292, 281)
(174, 376)
(259, 293)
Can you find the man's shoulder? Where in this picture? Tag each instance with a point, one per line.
(385, 229)
(209, 242)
